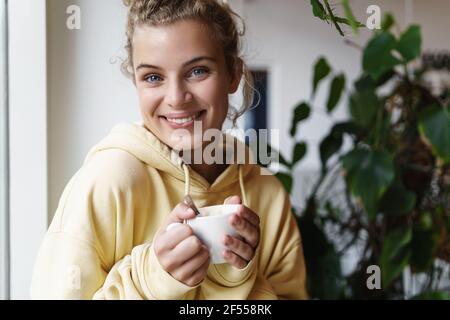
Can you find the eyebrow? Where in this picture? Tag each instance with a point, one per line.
(197, 59)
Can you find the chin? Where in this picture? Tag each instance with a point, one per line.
(185, 142)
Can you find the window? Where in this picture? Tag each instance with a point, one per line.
(256, 118)
(4, 212)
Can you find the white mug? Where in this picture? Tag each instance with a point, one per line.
(211, 226)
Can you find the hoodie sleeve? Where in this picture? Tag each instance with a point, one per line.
(68, 268)
(140, 276)
(286, 271)
(88, 251)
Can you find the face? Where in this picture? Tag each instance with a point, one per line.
(181, 78)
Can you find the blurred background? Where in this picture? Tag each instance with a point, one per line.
(62, 91)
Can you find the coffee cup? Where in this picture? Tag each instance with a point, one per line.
(211, 226)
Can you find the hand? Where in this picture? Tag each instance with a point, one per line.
(179, 251)
(246, 223)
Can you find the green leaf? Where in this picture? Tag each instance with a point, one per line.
(321, 71)
(377, 57)
(366, 83)
(286, 180)
(299, 152)
(424, 243)
(325, 280)
(275, 153)
(301, 112)
(315, 241)
(369, 173)
(397, 200)
(426, 220)
(337, 86)
(363, 107)
(348, 127)
(283, 161)
(387, 22)
(447, 222)
(349, 14)
(432, 295)
(347, 22)
(331, 16)
(395, 254)
(383, 127)
(329, 146)
(318, 9)
(410, 43)
(328, 282)
(434, 125)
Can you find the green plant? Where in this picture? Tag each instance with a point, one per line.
(395, 200)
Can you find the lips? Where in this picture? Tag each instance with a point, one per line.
(182, 119)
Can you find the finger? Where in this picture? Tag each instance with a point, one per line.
(249, 215)
(249, 232)
(187, 249)
(239, 247)
(189, 267)
(198, 275)
(234, 259)
(179, 213)
(233, 200)
(171, 238)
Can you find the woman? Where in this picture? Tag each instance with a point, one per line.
(109, 237)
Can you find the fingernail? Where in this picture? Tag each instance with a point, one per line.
(190, 211)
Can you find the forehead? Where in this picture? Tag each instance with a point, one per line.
(176, 42)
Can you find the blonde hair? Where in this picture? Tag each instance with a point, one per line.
(218, 16)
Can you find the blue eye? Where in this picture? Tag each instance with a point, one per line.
(198, 72)
(153, 78)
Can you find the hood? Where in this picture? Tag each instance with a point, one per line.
(135, 139)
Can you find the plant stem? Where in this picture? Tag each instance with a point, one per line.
(331, 14)
(378, 124)
(353, 44)
(350, 243)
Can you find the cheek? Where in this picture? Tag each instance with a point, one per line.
(216, 98)
(148, 102)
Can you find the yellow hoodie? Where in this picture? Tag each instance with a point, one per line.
(99, 244)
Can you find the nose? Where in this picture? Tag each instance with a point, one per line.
(177, 94)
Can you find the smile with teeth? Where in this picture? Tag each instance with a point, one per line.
(184, 120)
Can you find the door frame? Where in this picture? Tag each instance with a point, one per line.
(4, 156)
(28, 191)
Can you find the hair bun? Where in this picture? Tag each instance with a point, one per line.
(134, 3)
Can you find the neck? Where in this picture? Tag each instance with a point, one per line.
(209, 171)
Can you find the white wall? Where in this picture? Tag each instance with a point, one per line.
(433, 16)
(87, 93)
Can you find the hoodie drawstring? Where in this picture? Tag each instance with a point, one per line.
(186, 180)
(241, 182)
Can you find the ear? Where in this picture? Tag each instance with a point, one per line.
(236, 76)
